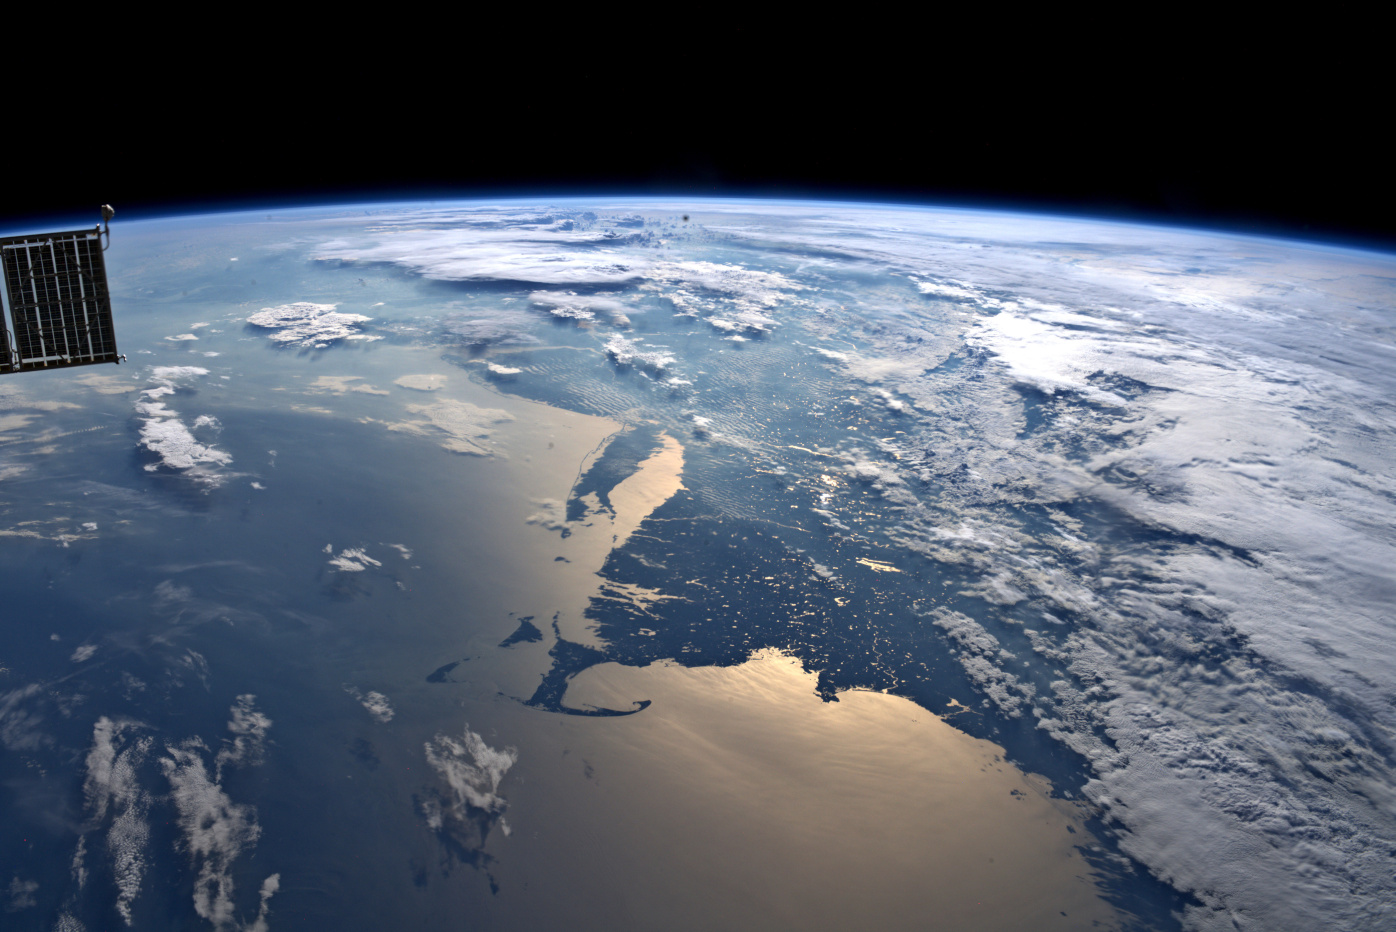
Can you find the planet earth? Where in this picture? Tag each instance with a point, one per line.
(705, 564)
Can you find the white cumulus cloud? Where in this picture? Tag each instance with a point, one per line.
(310, 325)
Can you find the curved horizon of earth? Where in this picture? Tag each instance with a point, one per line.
(705, 563)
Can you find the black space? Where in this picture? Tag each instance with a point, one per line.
(1264, 133)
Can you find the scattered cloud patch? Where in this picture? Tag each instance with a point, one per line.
(310, 325)
(215, 830)
(459, 426)
(269, 888)
(750, 289)
(746, 320)
(425, 382)
(570, 305)
(351, 560)
(376, 703)
(469, 804)
(471, 769)
(498, 328)
(112, 788)
(169, 439)
(643, 356)
(21, 893)
(249, 729)
(83, 653)
(550, 514)
(20, 721)
(339, 384)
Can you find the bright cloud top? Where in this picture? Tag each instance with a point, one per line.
(174, 444)
(470, 804)
(310, 325)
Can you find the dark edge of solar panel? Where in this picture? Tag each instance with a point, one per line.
(60, 306)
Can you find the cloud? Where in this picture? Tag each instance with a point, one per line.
(179, 338)
(878, 475)
(167, 376)
(378, 706)
(550, 514)
(629, 353)
(215, 830)
(570, 305)
(111, 786)
(339, 384)
(166, 436)
(469, 806)
(426, 382)
(66, 923)
(538, 256)
(496, 328)
(748, 320)
(459, 426)
(249, 728)
(752, 290)
(83, 653)
(269, 888)
(352, 560)
(19, 727)
(983, 658)
(376, 703)
(21, 895)
(174, 444)
(471, 769)
(309, 325)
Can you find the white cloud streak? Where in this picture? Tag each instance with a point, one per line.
(164, 434)
(112, 786)
(215, 830)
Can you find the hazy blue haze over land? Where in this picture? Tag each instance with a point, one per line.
(481, 565)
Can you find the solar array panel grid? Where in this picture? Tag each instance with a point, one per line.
(59, 303)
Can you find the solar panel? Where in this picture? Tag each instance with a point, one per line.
(56, 306)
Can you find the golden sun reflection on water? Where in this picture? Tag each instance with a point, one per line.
(740, 800)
